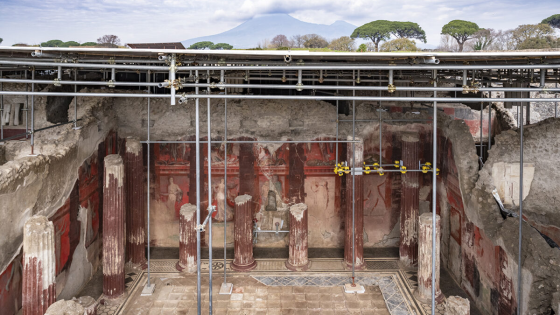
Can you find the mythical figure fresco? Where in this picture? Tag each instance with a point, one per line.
(174, 197)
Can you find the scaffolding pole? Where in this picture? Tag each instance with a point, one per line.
(434, 198)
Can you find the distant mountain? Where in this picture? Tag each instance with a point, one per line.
(249, 33)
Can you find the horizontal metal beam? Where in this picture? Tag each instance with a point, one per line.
(291, 97)
(290, 67)
(258, 141)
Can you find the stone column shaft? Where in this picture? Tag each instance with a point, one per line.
(39, 266)
(113, 227)
(424, 290)
(135, 204)
(358, 200)
(298, 258)
(187, 239)
(243, 235)
(408, 246)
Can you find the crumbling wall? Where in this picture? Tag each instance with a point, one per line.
(41, 184)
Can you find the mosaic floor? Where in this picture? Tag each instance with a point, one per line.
(175, 295)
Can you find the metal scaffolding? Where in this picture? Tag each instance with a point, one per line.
(179, 65)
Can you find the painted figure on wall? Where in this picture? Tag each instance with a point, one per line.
(219, 200)
(174, 197)
(320, 196)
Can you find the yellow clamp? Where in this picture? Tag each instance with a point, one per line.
(426, 167)
(376, 166)
(380, 171)
(391, 88)
(403, 169)
(397, 164)
(366, 169)
(437, 171)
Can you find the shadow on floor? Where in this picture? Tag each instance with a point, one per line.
(449, 287)
(280, 253)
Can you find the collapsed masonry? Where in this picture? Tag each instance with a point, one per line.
(66, 183)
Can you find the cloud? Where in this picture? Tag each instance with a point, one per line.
(35, 21)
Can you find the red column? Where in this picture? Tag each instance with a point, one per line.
(135, 201)
(424, 290)
(113, 227)
(358, 210)
(243, 235)
(408, 246)
(298, 260)
(39, 290)
(187, 239)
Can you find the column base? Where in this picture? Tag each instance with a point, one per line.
(140, 266)
(105, 300)
(182, 268)
(243, 268)
(348, 266)
(304, 267)
(439, 297)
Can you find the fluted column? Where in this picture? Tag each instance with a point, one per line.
(298, 259)
(187, 239)
(358, 198)
(408, 246)
(424, 290)
(113, 227)
(135, 201)
(243, 235)
(39, 290)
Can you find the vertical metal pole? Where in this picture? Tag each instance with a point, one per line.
(434, 198)
(556, 104)
(480, 138)
(197, 157)
(32, 111)
(2, 109)
(76, 100)
(225, 184)
(336, 123)
(209, 159)
(26, 107)
(353, 176)
(519, 288)
(149, 144)
(489, 127)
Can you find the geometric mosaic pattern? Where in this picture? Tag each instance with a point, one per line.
(394, 299)
(396, 285)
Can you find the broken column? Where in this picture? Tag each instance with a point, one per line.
(424, 290)
(135, 201)
(63, 307)
(113, 227)
(298, 260)
(88, 303)
(457, 306)
(357, 198)
(243, 235)
(187, 239)
(408, 246)
(39, 290)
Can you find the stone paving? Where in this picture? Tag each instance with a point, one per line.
(273, 289)
(178, 296)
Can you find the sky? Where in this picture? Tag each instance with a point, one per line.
(35, 21)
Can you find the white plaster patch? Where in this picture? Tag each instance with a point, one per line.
(239, 200)
(506, 180)
(298, 211)
(133, 146)
(188, 210)
(114, 166)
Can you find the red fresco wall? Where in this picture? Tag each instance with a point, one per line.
(86, 193)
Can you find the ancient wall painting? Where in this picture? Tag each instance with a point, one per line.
(325, 224)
